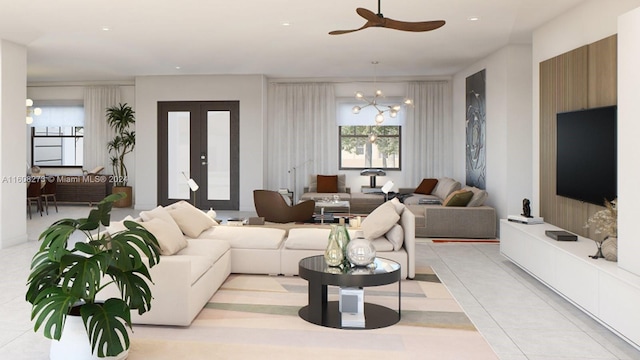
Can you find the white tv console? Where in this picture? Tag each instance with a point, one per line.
(600, 288)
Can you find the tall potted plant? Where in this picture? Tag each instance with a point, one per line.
(66, 277)
(120, 118)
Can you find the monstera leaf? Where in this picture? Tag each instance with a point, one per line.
(64, 276)
(105, 325)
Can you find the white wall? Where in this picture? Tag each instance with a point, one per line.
(250, 90)
(13, 78)
(508, 132)
(628, 135)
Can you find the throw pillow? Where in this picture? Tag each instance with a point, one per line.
(169, 236)
(380, 221)
(395, 236)
(426, 186)
(191, 221)
(479, 197)
(445, 186)
(327, 183)
(458, 198)
(117, 226)
(159, 213)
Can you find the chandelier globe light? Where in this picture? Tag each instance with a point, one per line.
(392, 110)
(31, 111)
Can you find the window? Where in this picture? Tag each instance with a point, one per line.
(57, 136)
(358, 151)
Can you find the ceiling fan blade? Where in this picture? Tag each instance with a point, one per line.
(340, 32)
(369, 15)
(412, 26)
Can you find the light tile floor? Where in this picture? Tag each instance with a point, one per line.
(519, 317)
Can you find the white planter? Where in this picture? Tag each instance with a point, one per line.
(74, 343)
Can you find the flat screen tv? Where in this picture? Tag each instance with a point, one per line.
(587, 154)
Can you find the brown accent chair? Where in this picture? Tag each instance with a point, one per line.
(270, 205)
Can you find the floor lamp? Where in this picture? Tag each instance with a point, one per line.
(193, 186)
(386, 188)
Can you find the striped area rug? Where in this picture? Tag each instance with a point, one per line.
(256, 316)
(466, 241)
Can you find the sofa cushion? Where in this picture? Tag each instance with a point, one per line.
(380, 221)
(117, 226)
(168, 235)
(191, 221)
(246, 237)
(395, 236)
(342, 183)
(479, 196)
(327, 183)
(458, 198)
(426, 186)
(212, 250)
(308, 239)
(382, 244)
(199, 266)
(445, 186)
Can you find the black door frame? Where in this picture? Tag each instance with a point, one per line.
(198, 136)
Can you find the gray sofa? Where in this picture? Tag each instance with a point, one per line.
(360, 203)
(475, 220)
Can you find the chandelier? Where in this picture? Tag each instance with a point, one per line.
(32, 111)
(374, 101)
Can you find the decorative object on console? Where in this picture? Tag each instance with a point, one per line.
(378, 20)
(375, 103)
(526, 208)
(476, 124)
(67, 276)
(120, 118)
(605, 225)
(386, 188)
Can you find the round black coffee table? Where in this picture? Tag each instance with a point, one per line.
(326, 313)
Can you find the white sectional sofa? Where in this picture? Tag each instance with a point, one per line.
(198, 254)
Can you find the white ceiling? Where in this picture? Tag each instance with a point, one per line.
(65, 40)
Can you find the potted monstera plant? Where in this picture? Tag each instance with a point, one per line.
(68, 273)
(120, 119)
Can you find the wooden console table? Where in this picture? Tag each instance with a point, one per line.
(82, 189)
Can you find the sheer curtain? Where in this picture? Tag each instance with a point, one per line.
(428, 134)
(302, 135)
(96, 129)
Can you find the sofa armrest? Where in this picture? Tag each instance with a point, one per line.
(464, 222)
(408, 223)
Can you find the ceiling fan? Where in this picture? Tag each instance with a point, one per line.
(378, 20)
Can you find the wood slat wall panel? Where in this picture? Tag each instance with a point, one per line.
(603, 72)
(579, 79)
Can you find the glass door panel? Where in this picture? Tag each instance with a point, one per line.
(219, 164)
(179, 146)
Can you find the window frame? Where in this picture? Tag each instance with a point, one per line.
(366, 139)
(33, 145)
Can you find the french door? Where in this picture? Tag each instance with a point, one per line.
(199, 140)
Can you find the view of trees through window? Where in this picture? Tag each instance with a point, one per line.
(364, 147)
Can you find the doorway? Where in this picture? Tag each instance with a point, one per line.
(199, 140)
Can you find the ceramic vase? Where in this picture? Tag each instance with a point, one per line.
(610, 249)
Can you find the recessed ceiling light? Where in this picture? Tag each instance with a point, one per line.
(473, 18)
(285, 23)
(178, 67)
(106, 28)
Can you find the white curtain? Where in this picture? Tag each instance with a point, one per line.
(302, 134)
(96, 129)
(428, 133)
